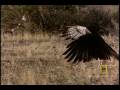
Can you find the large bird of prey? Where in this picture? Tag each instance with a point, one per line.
(86, 45)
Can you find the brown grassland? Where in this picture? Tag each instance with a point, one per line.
(37, 59)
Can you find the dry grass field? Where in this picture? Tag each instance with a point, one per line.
(38, 60)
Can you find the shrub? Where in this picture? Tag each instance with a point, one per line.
(50, 18)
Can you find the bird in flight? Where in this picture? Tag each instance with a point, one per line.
(87, 44)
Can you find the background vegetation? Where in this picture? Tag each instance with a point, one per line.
(53, 18)
(31, 49)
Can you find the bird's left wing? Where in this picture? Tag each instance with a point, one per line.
(74, 32)
(88, 47)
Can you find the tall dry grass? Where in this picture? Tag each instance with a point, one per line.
(38, 60)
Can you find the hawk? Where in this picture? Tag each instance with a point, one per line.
(87, 44)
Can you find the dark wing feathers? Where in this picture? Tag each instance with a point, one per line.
(87, 47)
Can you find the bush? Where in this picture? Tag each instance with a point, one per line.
(116, 16)
(51, 18)
(98, 18)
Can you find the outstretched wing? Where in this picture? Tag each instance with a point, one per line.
(74, 32)
(87, 47)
